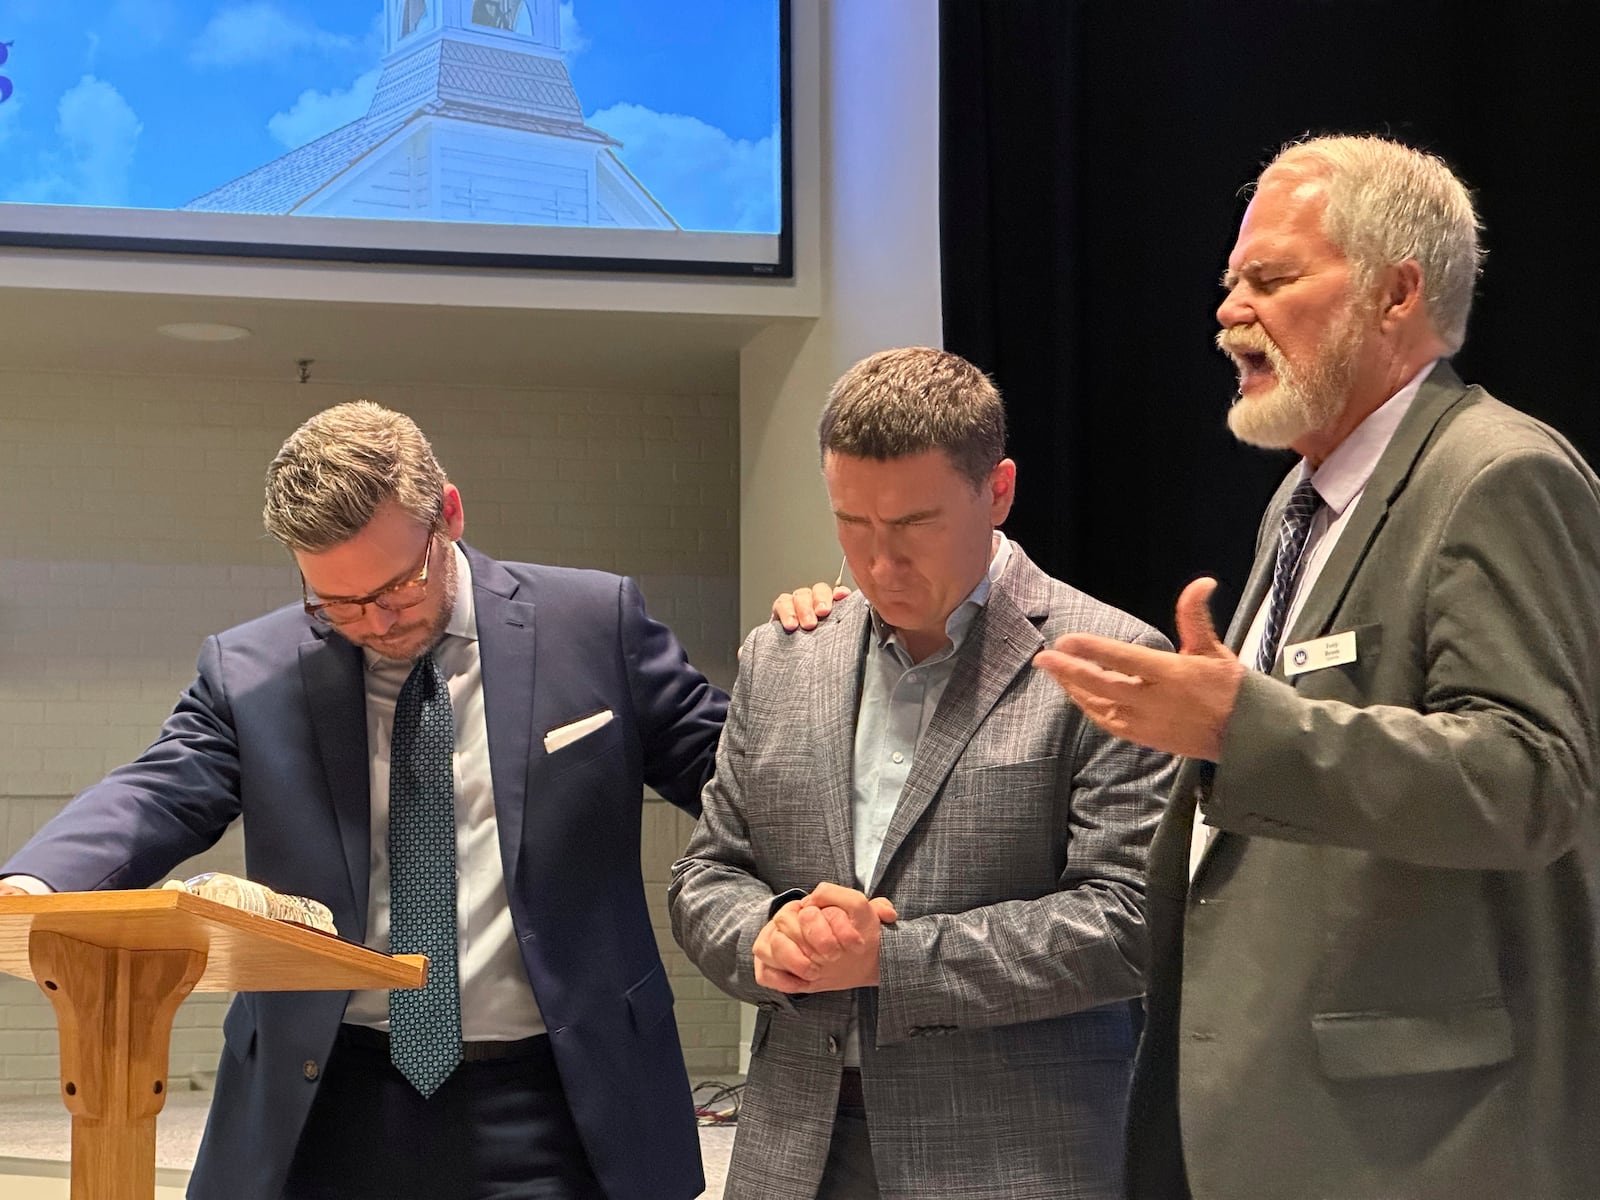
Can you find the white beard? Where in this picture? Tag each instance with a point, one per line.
(1299, 402)
(1283, 414)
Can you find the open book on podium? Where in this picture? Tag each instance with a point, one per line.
(116, 965)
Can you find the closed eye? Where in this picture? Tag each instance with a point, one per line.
(1260, 277)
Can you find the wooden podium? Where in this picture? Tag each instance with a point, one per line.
(116, 965)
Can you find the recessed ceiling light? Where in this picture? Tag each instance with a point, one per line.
(203, 331)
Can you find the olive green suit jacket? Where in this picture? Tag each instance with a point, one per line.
(1382, 982)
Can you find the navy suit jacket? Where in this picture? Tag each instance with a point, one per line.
(274, 730)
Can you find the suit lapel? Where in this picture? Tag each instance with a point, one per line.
(1438, 394)
(840, 649)
(331, 669)
(1001, 643)
(1170, 852)
(1260, 578)
(506, 639)
(1173, 846)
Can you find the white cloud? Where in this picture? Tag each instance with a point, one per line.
(573, 40)
(10, 118)
(259, 31)
(703, 177)
(316, 113)
(99, 133)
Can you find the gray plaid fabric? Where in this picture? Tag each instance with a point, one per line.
(996, 1051)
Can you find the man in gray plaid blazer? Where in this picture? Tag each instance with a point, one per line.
(967, 1030)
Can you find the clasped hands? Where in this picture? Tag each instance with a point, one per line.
(826, 942)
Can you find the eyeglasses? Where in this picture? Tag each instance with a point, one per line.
(395, 598)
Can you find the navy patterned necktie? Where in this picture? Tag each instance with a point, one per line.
(1292, 534)
(425, 1023)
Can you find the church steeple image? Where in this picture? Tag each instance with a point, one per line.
(475, 118)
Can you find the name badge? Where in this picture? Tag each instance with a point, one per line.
(1332, 651)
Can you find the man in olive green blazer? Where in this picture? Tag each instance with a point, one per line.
(1373, 897)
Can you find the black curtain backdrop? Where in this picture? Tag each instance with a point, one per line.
(1092, 156)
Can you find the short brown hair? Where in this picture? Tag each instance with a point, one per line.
(334, 473)
(901, 402)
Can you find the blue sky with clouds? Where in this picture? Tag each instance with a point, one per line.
(150, 103)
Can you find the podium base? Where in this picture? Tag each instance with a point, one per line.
(114, 1008)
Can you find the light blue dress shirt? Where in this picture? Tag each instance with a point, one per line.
(898, 700)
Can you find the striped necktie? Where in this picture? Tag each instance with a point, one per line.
(425, 1023)
(1292, 534)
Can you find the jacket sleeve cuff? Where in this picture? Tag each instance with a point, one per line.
(783, 1001)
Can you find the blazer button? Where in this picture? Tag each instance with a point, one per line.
(310, 1070)
(833, 1044)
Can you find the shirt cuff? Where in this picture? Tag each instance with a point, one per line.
(34, 887)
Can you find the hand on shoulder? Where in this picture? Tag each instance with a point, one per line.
(805, 607)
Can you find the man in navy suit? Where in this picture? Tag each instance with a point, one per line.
(521, 707)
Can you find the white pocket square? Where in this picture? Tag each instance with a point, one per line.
(565, 735)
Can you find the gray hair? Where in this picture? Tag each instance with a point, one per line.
(1388, 203)
(340, 467)
(901, 402)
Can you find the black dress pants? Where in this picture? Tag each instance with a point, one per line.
(498, 1129)
(849, 1173)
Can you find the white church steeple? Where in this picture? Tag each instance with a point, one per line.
(474, 118)
(527, 25)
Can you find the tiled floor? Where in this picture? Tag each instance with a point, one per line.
(25, 1179)
(35, 1136)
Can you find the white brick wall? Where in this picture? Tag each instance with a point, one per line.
(132, 530)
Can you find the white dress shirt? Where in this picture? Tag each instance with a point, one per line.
(1340, 482)
(497, 1001)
